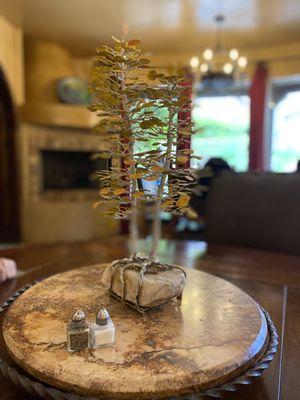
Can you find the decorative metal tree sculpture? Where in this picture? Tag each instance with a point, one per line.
(138, 108)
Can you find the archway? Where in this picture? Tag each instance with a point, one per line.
(9, 196)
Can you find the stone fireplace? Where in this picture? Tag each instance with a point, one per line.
(58, 186)
(69, 170)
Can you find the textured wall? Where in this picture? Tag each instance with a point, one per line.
(11, 58)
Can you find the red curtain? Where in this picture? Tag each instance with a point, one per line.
(184, 117)
(257, 118)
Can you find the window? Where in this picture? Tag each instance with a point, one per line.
(222, 123)
(150, 187)
(285, 143)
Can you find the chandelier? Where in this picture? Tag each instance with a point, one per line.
(213, 73)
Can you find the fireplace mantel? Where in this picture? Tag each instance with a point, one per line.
(58, 115)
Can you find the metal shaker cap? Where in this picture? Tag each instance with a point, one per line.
(78, 319)
(102, 317)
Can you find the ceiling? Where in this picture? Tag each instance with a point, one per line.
(166, 26)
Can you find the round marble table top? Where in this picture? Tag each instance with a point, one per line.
(213, 335)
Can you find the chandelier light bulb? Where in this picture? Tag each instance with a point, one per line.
(194, 62)
(208, 54)
(242, 62)
(234, 54)
(204, 68)
(228, 68)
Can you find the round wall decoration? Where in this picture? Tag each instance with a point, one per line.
(73, 90)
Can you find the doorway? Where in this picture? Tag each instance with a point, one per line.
(9, 198)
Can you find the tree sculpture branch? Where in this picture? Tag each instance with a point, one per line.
(129, 98)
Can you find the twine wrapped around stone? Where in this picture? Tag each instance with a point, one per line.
(143, 283)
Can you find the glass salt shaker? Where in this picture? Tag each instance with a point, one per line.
(103, 330)
(78, 332)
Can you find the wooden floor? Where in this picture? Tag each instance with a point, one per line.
(272, 279)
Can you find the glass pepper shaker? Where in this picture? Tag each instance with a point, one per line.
(78, 332)
(103, 330)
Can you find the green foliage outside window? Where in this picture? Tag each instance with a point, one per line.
(224, 134)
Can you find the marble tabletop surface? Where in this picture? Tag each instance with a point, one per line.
(214, 334)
